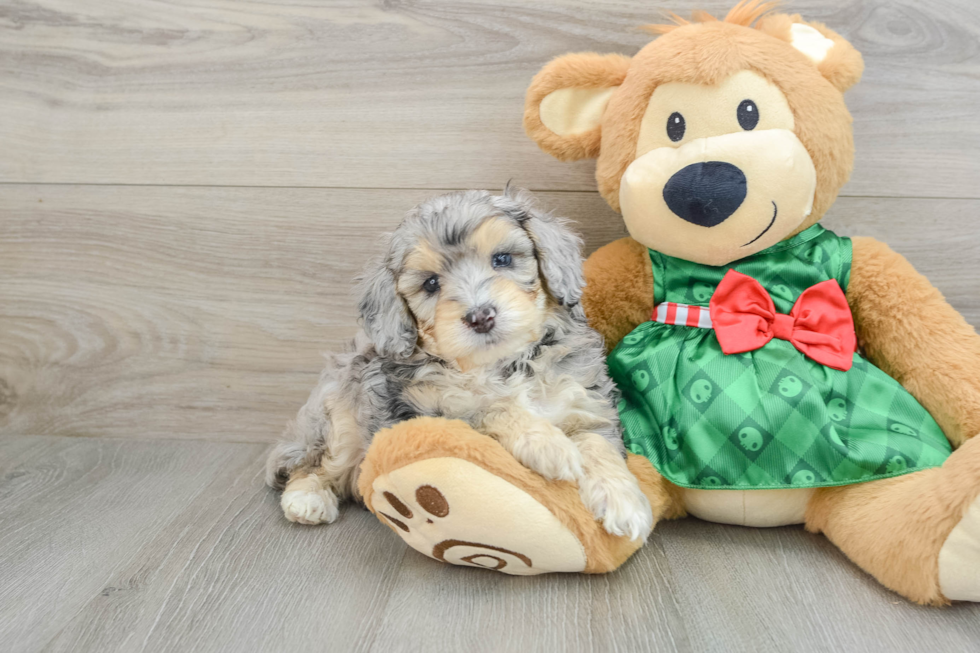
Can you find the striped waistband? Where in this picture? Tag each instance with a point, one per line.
(682, 314)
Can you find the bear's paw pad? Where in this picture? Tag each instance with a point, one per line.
(457, 512)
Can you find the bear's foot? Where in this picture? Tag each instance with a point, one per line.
(455, 511)
(918, 534)
(959, 559)
(457, 496)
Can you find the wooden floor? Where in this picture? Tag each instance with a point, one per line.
(187, 188)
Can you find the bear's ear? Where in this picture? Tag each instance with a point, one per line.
(565, 102)
(836, 59)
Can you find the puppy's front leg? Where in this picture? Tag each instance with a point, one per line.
(306, 499)
(610, 491)
(535, 442)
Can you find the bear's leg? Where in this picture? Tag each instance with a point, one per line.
(456, 495)
(918, 534)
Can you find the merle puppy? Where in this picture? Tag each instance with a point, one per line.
(473, 314)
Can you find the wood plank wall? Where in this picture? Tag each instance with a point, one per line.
(186, 193)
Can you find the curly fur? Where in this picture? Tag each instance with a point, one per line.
(523, 393)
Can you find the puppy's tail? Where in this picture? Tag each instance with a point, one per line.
(286, 457)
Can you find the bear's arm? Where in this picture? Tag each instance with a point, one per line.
(618, 292)
(907, 329)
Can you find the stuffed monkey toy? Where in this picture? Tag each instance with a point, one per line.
(772, 372)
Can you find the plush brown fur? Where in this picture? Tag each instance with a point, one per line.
(618, 292)
(705, 53)
(744, 13)
(428, 437)
(908, 329)
(895, 527)
(842, 67)
(582, 70)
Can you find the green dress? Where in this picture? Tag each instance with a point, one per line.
(769, 418)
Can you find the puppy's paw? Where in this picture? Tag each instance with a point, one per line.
(546, 450)
(619, 504)
(310, 507)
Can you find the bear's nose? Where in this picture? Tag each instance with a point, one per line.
(705, 194)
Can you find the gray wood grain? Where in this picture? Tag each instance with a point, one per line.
(410, 94)
(145, 311)
(235, 164)
(231, 574)
(175, 546)
(202, 313)
(74, 511)
(751, 589)
(633, 609)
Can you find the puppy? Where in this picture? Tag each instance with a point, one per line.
(472, 314)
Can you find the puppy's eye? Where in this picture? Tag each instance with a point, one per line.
(748, 115)
(502, 260)
(676, 127)
(431, 284)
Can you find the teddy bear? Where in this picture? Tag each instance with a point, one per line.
(771, 371)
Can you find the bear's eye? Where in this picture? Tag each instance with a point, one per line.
(748, 115)
(431, 284)
(675, 127)
(501, 260)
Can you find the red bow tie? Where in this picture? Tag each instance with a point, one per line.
(820, 324)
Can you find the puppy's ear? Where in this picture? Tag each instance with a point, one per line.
(558, 248)
(384, 315)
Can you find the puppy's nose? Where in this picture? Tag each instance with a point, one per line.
(481, 319)
(705, 194)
